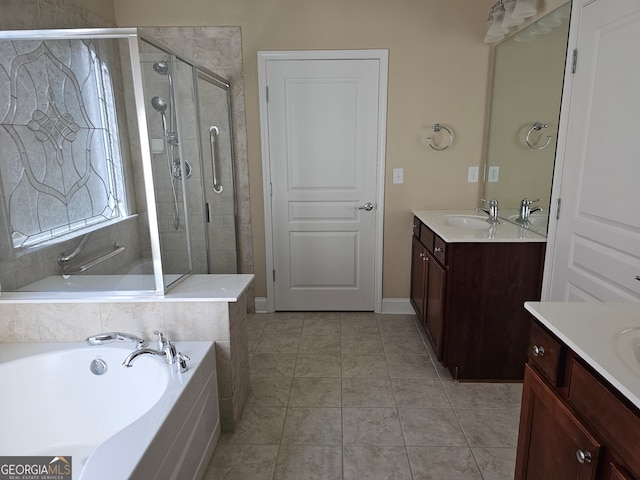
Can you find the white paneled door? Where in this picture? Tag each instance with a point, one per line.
(597, 236)
(324, 157)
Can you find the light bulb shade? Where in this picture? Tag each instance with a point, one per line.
(539, 29)
(524, 9)
(509, 21)
(492, 39)
(524, 37)
(550, 21)
(495, 27)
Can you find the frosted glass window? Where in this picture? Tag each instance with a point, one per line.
(61, 160)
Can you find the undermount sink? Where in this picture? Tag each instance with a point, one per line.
(466, 222)
(626, 344)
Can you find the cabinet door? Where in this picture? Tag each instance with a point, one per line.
(614, 472)
(418, 277)
(552, 442)
(434, 315)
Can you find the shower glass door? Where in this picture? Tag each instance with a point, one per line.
(213, 105)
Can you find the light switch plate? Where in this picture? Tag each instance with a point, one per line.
(398, 176)
(493, 174)
(472, 176)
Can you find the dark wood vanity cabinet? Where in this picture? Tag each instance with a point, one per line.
(470, 296)
(573, 423)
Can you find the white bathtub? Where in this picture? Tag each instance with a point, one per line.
(143, 422)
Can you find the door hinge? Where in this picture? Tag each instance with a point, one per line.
(558, 202)
(274, 275)
(207, 213)
(270, 189)
(574, 60)
(267, 92)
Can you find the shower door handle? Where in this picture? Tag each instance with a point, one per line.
(213, 134)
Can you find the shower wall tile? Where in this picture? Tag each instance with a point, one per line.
(137, 318)
(59, 322)
(16, 325)
(197, 321)
(20, 14)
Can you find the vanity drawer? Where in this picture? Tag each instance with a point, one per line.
(617, 424)
(416, 227)
(546, 353)
(440, 250)
(426, 237)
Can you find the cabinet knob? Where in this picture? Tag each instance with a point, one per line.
(583, 457)
(437, 249)
(538, 351)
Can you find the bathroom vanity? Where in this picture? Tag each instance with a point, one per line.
(580, 414)
(469, 281)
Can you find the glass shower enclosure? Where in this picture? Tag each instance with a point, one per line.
(116, 172)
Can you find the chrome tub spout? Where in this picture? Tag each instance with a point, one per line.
(128, 362)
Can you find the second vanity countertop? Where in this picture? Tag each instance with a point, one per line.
(602, 334)
(457, 226)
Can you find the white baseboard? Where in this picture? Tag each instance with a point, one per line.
(398, 306)
(261, 304)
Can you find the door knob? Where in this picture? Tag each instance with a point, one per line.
(583, 457)
(367, 206)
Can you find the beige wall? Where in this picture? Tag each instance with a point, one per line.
(438, 72)
(102, 8)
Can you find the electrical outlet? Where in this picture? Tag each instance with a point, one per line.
(472, 176)
(398, 176)
(493, 174)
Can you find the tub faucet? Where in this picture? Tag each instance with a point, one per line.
(492, 211)
(103, 338)
(526, 210)
(165, 349)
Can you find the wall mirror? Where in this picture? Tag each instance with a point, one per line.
(528, 72)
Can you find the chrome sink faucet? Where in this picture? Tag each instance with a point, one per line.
(165, 349)
(526, 210)
(104, 338)
(492, 211)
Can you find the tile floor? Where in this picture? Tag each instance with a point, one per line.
(358, 396)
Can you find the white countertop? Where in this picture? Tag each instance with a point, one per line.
(505, 231)
(194, 288)
(590, 329)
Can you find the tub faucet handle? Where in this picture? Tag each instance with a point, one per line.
(181, 363)
(162, 340)
(167, 348)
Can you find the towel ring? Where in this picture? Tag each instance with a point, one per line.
(436, 128)
(537, 126)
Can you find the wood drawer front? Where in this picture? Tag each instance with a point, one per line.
(616, 423)
(440, 250)
(426, 237)
(416, 227)
(546, 353)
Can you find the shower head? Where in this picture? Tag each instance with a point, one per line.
(161, 67)
(159, 104)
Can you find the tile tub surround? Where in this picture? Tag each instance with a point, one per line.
(194, 310)
(358, 395)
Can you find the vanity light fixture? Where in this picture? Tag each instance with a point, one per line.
(506, 14)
